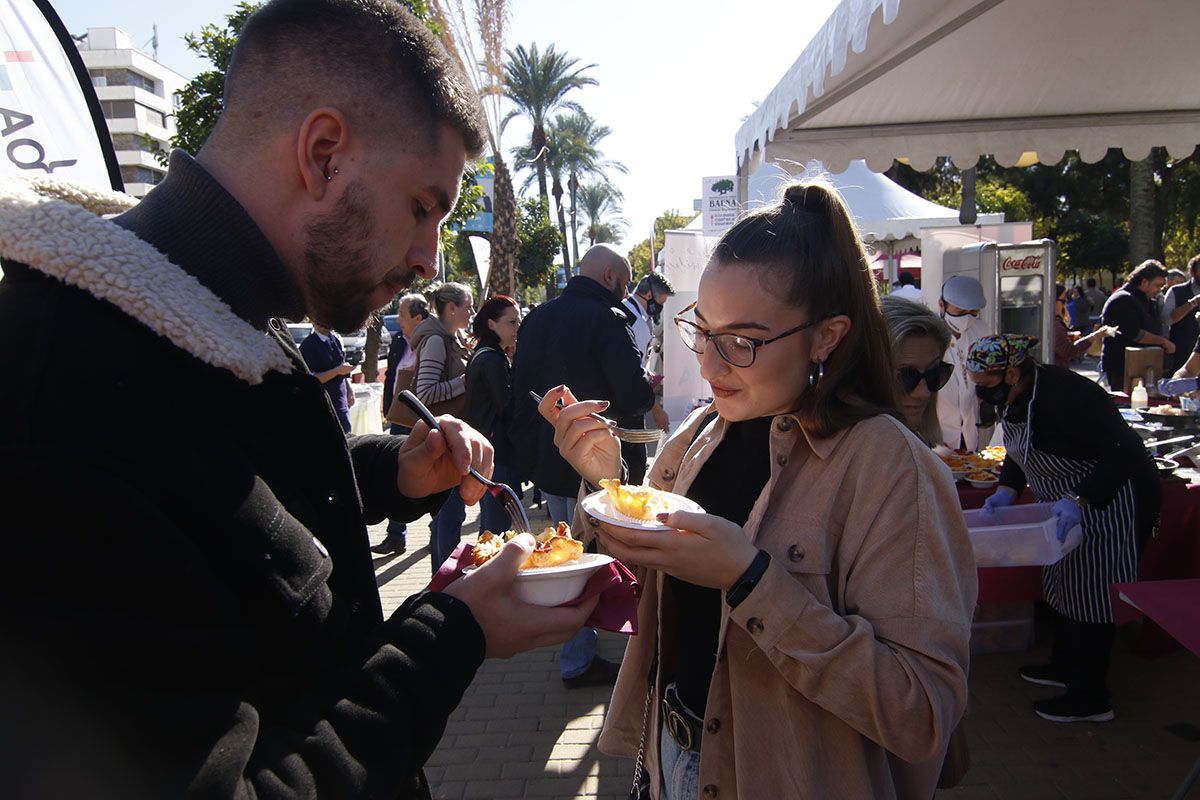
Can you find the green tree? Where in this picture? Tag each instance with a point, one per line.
(540, 241)
(639, 256)
(537, 83)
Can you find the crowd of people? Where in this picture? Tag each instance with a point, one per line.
(199, 615)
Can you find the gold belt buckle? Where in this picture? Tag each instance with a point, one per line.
(677, 727)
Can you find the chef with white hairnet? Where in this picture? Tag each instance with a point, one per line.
(957, 406)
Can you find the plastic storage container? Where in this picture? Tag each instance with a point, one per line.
(1018, 536)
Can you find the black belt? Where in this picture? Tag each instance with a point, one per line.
(682, 725)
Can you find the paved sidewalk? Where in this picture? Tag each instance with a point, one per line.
(518, 733)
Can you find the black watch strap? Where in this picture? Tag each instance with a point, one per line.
(750, 578)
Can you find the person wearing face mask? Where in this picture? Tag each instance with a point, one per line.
(644, 311)
(644, 306)
(1067, 441)
(808, 635)
(958, 411)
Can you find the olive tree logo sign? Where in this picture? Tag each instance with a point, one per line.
(723, 186)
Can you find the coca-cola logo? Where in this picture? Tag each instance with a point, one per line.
(1021, 263)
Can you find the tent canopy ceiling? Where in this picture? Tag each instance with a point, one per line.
(1017, 79)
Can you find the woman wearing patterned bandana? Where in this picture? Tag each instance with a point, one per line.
(1066, 439)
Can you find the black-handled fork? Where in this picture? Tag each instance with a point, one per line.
(502, 492)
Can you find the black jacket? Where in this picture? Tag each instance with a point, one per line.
(189, 606)
(1075, 418)
(1132, 313)
(579, 339)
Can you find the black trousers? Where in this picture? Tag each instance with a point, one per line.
(1081, 653)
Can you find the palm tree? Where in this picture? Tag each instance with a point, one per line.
(475, 36)
(538, 83)
(602, 207)
(582, 158)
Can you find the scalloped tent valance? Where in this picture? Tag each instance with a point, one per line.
(1021, 80)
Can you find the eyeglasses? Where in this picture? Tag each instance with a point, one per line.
(735, 350)
(935, 377)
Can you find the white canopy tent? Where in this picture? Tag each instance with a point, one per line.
(1022, 80)
(888, 215)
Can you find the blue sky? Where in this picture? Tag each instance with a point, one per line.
(676, 77)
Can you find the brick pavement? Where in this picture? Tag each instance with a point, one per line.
(518, 733)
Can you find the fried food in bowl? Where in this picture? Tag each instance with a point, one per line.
(555, 547)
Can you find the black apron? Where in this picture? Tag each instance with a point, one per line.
(1077, 586)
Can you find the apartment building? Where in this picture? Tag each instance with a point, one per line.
(138, 96)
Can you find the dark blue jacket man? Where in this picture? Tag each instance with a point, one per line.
(326, 359)
(580, 339)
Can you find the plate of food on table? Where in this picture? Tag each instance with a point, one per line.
(982, 478)
(635, 507)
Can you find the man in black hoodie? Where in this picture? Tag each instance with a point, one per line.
(189, 607)
(580, 339)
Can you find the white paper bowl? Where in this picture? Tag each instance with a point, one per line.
(599, 505)
(984, 484)
(553, 586)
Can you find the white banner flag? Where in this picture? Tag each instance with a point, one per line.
(481, 248)
(50, 119)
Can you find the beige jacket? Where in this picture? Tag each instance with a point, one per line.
(844, 672)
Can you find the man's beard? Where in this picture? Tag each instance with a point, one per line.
(338, 280)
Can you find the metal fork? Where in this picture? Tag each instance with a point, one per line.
(501, 491)
(631, 435)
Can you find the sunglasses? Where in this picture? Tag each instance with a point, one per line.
(935, 377)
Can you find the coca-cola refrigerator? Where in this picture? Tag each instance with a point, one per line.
(1018, 283)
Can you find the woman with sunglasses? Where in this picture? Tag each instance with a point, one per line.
(807, 636)
(919, 344)
(1069, 345)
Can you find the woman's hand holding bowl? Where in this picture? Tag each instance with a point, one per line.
(703, 549)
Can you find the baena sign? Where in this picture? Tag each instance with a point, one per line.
(1018, 261)
(721, 204)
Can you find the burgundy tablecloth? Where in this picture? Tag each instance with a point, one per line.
(1174, 605)
(1174, 553)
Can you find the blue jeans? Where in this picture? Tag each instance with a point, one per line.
(680, 770)
(577, 654)
(445, 529)
(492, 516)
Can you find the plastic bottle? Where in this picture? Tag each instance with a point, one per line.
(1138, 398)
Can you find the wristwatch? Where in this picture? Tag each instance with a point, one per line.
(1078, 500)
(750, 578)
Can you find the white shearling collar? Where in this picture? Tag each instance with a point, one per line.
(54, 227)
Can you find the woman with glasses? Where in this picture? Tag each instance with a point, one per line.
(1069, 345)
(807, 636)
(919, 344)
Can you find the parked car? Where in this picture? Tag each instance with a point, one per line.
(299, 331)
(356, 343)
(391, 323)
